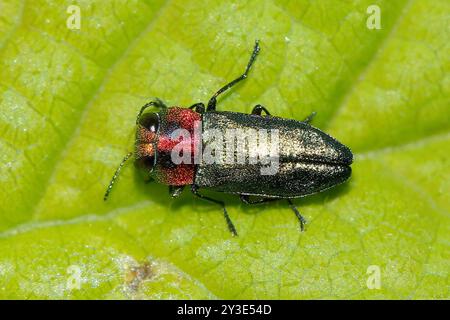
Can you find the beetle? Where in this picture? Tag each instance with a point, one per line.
(308, 160)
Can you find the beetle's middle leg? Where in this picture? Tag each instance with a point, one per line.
(246, 199)
(212, 102)
(230, 224)
(301, 219)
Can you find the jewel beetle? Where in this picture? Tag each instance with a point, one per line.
(308, 160)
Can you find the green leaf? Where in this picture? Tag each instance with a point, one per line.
(68, 101)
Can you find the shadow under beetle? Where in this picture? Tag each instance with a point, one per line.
(309, 160)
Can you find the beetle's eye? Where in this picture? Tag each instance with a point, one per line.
(146, 163)
(150, 121)
(145, 156)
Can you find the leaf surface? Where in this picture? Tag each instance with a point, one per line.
(69, 98)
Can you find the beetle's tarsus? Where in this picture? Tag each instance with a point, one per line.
(156, 103)
(230, 224)
(301, 219)
(213, 101)
(258, 109)
(309, 118)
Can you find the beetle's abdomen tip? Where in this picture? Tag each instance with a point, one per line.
(339, 154)
(346, 155)
(348, 172)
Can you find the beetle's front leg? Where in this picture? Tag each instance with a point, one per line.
(230, 224)
(258, 109)
(156, 103)
(175, 191)
(198, 107)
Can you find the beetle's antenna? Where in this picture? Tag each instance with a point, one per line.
(116, 175)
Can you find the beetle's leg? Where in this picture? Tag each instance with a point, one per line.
(246, 199)
(156, 103)
(309, 118)
(175, 191)
(300, 218)
(230, 225)
(198, 107)
(116, 175)
(258, 109)
(212, 102)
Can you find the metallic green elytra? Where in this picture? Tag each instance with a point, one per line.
(257, 156)
(309, 161)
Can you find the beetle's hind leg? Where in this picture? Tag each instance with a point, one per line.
(230, 224)
(155, 103)
(213, 101)
(301, 219)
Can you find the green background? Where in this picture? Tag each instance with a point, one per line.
(68, 101)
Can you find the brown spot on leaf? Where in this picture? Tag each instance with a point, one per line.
(136, 274)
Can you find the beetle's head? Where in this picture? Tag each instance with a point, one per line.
(147, 133)
(157, 137)
(162, 136)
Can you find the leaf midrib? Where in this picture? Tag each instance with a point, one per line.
(119, 211)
